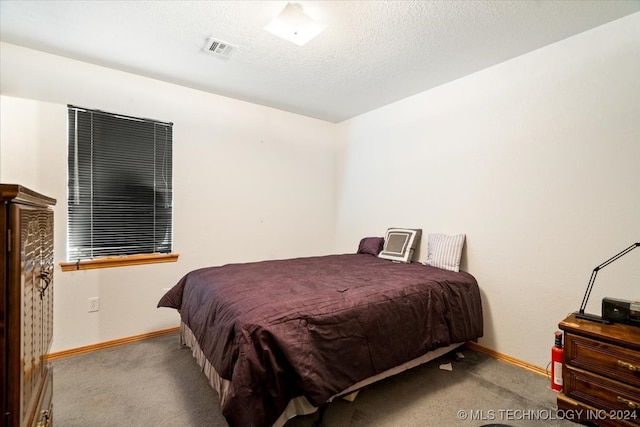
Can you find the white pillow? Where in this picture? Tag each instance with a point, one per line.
(400, 244)
(445, 251)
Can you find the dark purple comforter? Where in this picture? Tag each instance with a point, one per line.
(314, 326)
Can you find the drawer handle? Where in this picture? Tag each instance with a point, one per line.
(630, 403)
(45, 417)
(629, 366)
(46, 278)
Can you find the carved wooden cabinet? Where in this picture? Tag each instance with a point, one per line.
(601, 373)
(26, 308)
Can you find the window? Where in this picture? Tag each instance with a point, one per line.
(119, 186)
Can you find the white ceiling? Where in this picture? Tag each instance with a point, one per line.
(371, 54)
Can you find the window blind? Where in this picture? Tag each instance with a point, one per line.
(119, 185)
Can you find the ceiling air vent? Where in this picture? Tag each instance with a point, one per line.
(219, 48)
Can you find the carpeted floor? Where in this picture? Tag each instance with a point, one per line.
(155, 383)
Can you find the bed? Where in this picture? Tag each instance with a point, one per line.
(281, 338)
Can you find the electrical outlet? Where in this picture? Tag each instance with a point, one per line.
(94, 304)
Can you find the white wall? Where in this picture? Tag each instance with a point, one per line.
(536, 159)
(250, 183)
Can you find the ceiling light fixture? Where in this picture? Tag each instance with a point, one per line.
(294, 25)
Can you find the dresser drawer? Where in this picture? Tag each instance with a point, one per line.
(606, 359)
(612, 397)
(580, 412)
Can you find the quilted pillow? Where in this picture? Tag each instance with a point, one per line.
(371, 245)
(445, 251)
(400, 244)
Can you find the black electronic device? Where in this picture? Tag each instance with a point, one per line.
(621, 311)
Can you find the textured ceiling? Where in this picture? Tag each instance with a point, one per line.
(371, 54)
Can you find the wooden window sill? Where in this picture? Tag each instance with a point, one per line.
(118, 261)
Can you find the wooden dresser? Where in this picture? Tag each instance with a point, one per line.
(26, 306)
(601, 373)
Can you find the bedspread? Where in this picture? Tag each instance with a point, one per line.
(314, 326)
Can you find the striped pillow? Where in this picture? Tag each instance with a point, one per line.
(445, 251)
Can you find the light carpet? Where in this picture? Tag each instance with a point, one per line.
(156, 383)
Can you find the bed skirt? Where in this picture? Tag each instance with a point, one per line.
(299, 405)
